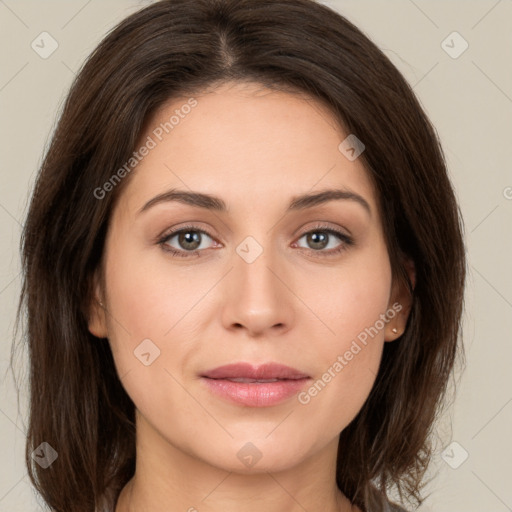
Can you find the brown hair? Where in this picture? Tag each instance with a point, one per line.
(172, 48)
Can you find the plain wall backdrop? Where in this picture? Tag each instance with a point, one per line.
(457, 55)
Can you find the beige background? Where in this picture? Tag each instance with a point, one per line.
(468, 98)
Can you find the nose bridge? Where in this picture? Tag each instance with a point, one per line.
(256, 298)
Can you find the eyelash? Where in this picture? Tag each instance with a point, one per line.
(347, 241)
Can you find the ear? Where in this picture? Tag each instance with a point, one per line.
(97, 323)
(400, 303)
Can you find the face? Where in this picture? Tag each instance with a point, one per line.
(268, 278)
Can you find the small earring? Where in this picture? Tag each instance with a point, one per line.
(395, 330)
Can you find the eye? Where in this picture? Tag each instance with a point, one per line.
(189, 240)
(321, 237)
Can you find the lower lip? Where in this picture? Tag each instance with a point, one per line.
(253, 394)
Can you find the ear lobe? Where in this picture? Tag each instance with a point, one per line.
(97, 324)
(401, 295)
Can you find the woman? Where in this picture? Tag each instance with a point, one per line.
(243, 270)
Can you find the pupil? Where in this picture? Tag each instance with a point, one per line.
(314, 238)
(185, 238)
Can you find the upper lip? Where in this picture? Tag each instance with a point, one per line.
(248, 371)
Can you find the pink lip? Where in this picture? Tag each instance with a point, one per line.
(255, 394)
(248, 371)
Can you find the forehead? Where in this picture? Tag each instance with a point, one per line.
(254, 147)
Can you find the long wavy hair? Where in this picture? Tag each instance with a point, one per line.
(174, 48)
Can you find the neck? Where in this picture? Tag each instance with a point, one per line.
(169, 479)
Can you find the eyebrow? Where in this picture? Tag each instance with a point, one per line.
(298, 203)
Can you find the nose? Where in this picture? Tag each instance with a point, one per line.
(258, 297)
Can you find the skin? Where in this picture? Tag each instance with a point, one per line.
(255, 149)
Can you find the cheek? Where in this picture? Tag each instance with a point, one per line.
(351, 303)
(148, 318)
(146, 299)
(349, 298)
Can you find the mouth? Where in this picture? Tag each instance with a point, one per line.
(264, 372)
(252, 380)
(263, 386)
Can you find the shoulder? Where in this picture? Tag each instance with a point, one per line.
(377, 501)
(393, 507)
(384, 507)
